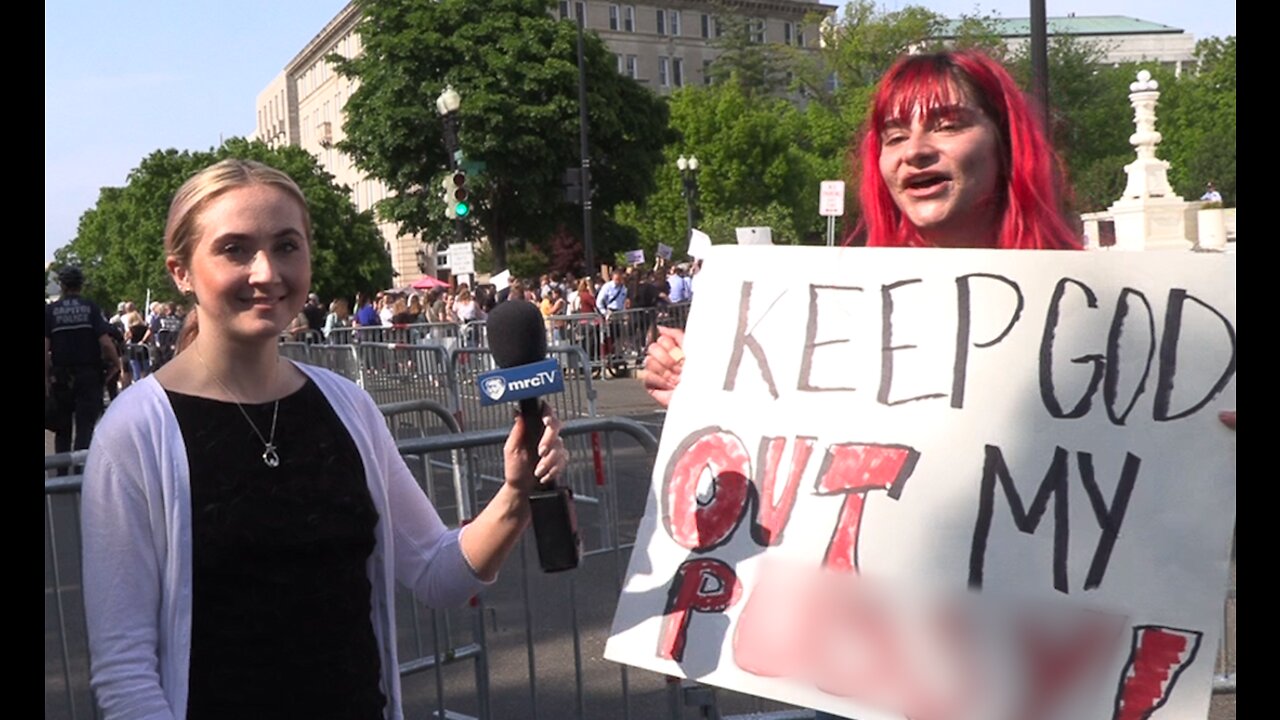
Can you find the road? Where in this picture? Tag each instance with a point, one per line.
(556, 603)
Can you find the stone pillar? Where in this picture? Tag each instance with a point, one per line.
(1149, 215)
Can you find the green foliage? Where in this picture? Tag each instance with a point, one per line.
(527, 262)
(516, 70)
(757, 69)
(119, 242)
(761, 161)
(1197, 119)
(859, 47)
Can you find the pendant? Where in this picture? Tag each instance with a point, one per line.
(270, 457)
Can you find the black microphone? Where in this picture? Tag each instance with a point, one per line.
(518, 337)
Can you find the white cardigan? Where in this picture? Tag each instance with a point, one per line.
(136, 523)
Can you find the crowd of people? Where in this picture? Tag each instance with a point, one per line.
(144, 337)
(554, 293)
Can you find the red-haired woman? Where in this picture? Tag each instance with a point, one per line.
(951, 155)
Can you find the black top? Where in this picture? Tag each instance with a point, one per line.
(281, 616)
(646, 295)
(73, 326)
(315, 316)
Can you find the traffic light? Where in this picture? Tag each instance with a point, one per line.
(450, 187)
(460, 193)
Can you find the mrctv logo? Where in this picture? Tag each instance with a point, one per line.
(520, 382)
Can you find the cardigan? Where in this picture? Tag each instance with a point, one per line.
(136, 535)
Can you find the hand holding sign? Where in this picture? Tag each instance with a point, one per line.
(662, 364)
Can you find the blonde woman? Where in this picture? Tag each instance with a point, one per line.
(245, 516)
(339, 317)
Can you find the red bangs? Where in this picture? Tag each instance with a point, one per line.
(920, 89)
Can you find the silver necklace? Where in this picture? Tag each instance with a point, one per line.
(269, 455)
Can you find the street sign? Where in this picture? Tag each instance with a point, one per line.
(831, 203)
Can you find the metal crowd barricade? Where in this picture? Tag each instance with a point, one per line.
(587, 331)
(674, 315)
(295, 351)
(341, 359)
(628, 334)
(395, 373)
(341, 336)
(510, 654)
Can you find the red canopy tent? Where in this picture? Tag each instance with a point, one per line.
(426, 282)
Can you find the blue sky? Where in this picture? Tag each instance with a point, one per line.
(124, 78)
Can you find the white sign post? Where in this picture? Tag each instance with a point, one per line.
(831, 206)
(962, 484)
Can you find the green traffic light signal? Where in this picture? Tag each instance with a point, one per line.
(460, 193)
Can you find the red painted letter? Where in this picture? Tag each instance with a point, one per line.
(702, 585)
(702, 524)
(853, 469)
(773, 516)
(1158, 656)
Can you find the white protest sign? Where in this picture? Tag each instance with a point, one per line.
(831, 198)
(664, 251)
(501, 280)
(896, 480)
(699, 244)
(461, 258)
(635, 257)
(754, 235)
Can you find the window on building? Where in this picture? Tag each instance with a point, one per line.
(719, 29)
(613, 17)
(629, 18)
(580, 8)
(664, 77)
(706, 25)
(564, 9)
(673, 17)
(757, 31)
(677, 72)
(618, 57)
(799, 36)
(706, 72)
(788, 32)
(662, 22)
(631, 67)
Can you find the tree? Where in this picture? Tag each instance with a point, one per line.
(1197, 118)
(119, 242)
(858, 47)
(756, 155)
(756, 67)
(516, 69)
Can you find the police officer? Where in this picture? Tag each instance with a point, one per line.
(79, 354)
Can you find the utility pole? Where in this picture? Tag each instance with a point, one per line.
(585, 177)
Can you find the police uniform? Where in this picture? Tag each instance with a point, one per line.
(73, 326)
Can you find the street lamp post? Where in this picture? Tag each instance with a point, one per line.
(689, 177)
(447, 105)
